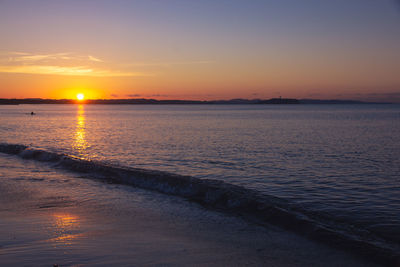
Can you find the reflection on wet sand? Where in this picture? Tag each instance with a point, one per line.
(66, 228)
(80, 144)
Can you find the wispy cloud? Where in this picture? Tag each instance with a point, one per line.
(148, 95)
(95, 59)
(134, 95)
(59, 64)
(171, 63)
(68, 71)
(72, 64)
(28, 57)
(159, 95)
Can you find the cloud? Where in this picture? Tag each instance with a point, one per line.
(17, 53)
(68, 64)
(159, 95)
(172, 63)
(28, 57)
(73, 64)
(95, 59)
(147, 95)
(134, 95)
(67, 71)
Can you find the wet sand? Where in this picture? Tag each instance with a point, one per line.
(50, 216)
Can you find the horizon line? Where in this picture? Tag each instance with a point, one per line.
(76, 101)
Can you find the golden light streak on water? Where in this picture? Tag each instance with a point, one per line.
(80, 144)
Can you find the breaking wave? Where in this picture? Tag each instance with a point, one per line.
(234, 199)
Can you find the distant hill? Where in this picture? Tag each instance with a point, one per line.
(146, 101)
(333, 101)
(279, 101)
(142, 101)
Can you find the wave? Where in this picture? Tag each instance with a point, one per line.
(234, 199)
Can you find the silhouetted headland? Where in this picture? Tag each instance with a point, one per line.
(142, 101)
(336, 101)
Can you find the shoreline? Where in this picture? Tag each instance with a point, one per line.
(228, 198)
(57, 217)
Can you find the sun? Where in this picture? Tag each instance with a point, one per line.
(80, 96)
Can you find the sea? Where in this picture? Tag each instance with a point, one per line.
(330, 171)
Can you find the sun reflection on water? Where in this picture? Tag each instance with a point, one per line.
(80, 145)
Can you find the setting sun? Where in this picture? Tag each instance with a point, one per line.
(80, 96)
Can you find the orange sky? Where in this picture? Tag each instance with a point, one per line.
(192, 50)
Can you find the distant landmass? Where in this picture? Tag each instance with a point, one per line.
(333, 101)
(139, 101)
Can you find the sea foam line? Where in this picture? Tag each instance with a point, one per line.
(224, 196)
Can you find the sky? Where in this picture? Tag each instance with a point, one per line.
(200, 50)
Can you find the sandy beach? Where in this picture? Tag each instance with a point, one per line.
(50, 216)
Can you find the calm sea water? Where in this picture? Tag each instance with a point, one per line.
(337, 160)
